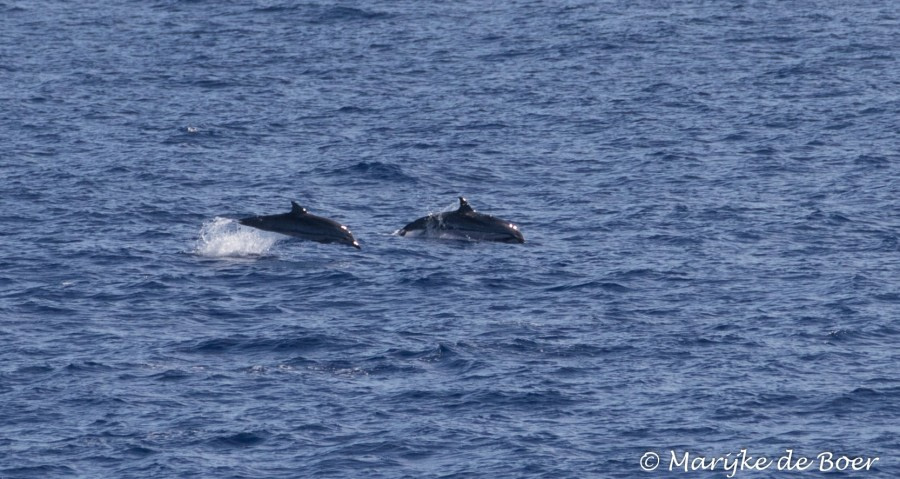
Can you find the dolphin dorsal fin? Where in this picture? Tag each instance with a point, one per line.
(297, 209)
(464, 206)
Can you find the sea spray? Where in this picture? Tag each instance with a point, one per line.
(224, 237)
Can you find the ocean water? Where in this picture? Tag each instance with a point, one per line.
(708, 191)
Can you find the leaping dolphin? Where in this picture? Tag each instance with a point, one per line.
(301, 224)
(464, 223)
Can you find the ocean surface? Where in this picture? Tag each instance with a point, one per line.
(708, 192)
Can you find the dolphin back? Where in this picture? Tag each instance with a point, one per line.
(464, 223)
(300, 224)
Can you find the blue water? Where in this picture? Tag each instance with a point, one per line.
(708, 191)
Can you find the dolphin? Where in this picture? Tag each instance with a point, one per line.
(301, 224)
(464, 223)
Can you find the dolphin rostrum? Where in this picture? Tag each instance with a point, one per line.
(464, 223)
(301, 224)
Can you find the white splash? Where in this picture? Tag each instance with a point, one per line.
(224, 237)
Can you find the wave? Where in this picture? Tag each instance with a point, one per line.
(374, 170)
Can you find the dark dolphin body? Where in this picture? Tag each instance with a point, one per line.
(301, 224)
(465, 223)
